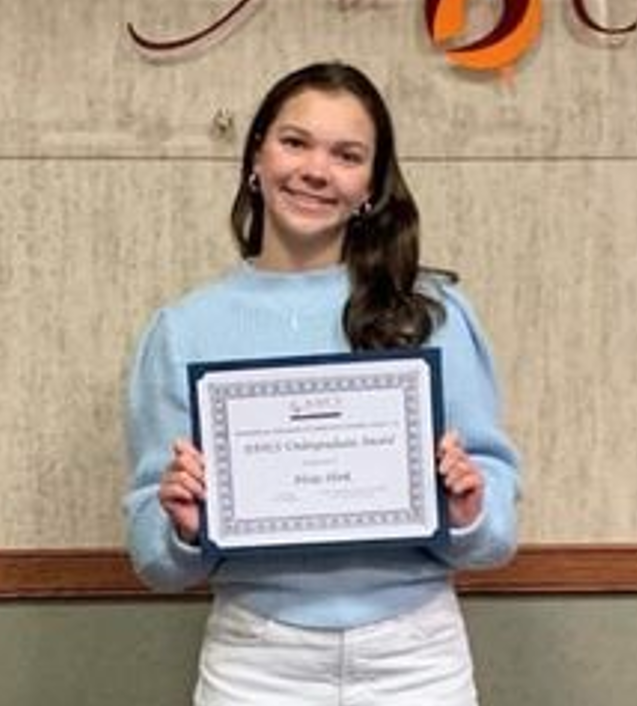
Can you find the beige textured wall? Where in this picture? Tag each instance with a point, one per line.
(114, 191)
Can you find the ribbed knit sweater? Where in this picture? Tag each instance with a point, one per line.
(252, 313)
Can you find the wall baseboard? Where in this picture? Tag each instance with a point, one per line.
(102, 573)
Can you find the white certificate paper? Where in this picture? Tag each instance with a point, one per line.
(319, 450)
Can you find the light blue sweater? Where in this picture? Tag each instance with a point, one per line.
(252, 313)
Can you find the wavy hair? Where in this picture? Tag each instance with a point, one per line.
(387, 307)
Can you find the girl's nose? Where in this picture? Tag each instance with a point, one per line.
(315, 168)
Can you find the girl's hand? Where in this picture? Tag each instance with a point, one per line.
(182, 489)
(463, 481)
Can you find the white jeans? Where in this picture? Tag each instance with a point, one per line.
(417, 659)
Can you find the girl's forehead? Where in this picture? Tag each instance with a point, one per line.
(317, 109)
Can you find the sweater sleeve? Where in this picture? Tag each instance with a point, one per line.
(472, 407)
(157, 413)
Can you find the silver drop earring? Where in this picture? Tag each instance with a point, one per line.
(362, 210)
(253, 183)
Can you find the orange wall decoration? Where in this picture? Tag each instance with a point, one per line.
(516, 31)
(514, 34)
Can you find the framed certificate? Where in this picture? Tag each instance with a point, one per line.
(319, 449)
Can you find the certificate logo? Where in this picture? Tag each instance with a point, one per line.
(314, 407)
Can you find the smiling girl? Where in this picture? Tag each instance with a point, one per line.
(329, 241)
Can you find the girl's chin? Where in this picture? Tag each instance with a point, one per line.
(314, 232)
(310, 223)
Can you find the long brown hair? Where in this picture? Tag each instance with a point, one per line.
(381, 249)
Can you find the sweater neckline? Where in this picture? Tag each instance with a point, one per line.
(326, 275)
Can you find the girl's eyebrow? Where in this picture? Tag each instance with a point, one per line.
(307, 133)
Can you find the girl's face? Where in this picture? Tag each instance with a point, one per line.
(315, 169)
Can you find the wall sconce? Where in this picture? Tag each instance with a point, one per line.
(223, 123)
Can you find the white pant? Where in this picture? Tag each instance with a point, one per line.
(417, 659)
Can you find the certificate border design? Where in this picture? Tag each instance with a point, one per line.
(219, 395)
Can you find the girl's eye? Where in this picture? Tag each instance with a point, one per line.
(350, 157)
(292, 142)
